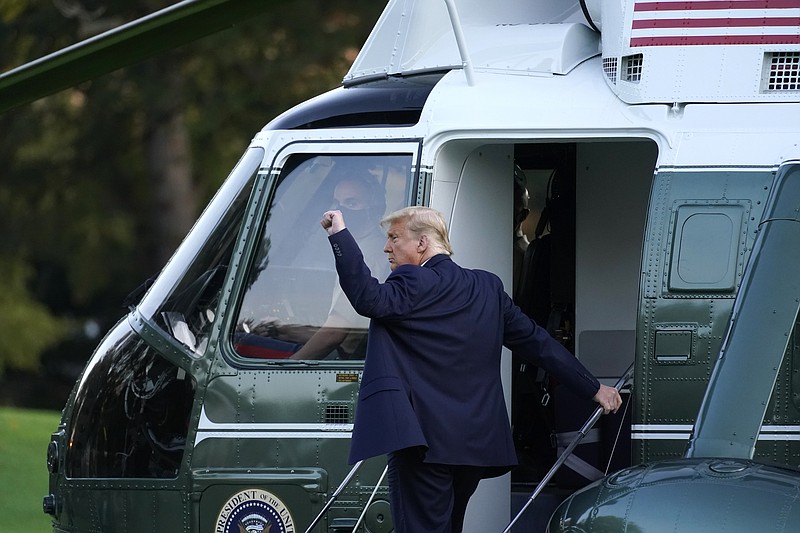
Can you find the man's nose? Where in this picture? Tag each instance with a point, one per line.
(387, 247)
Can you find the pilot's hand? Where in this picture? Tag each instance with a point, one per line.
(332, 222)
(608, 398)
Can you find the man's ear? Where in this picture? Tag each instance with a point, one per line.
(422, 245)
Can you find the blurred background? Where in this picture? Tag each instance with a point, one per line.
(101, 181)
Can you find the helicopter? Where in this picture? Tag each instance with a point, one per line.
(657, 141)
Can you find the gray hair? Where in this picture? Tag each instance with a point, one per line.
(423, 221)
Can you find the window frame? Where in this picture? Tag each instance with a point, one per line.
(415, 195)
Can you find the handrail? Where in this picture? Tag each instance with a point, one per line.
(621, 382)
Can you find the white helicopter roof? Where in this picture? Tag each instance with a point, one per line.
(652, 51)
(418, 36)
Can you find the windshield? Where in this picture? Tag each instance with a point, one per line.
(183, 299)
(292, 306)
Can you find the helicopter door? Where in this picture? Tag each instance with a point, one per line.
(701, 230)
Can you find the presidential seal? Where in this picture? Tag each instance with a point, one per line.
(254, 511)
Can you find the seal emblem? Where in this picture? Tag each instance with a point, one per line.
(254, 511)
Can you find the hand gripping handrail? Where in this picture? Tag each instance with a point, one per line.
(621, 382)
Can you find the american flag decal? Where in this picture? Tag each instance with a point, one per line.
(713, 22)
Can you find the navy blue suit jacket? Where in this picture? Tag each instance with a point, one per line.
(432, 373)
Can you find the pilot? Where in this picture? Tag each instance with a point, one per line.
(361, 199)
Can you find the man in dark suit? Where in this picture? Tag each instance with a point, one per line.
(431, 395)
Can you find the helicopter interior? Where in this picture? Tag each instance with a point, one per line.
(578, 276)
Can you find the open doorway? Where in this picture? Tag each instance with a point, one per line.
(578, 276)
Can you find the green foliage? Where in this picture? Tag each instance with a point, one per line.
(88, 212)
(26, 326)
(298, 50)
(11, 9)
(24, 435)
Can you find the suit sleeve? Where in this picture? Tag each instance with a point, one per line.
(534, 344)
(392, 299)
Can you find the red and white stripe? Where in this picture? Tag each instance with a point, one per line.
(715, 22)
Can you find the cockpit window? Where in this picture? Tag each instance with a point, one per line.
(292, 305)
(184, 298)
(131, 412)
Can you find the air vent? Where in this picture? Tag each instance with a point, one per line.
(337, 414)
(632, 68)
(781, 72)
(610, 68)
